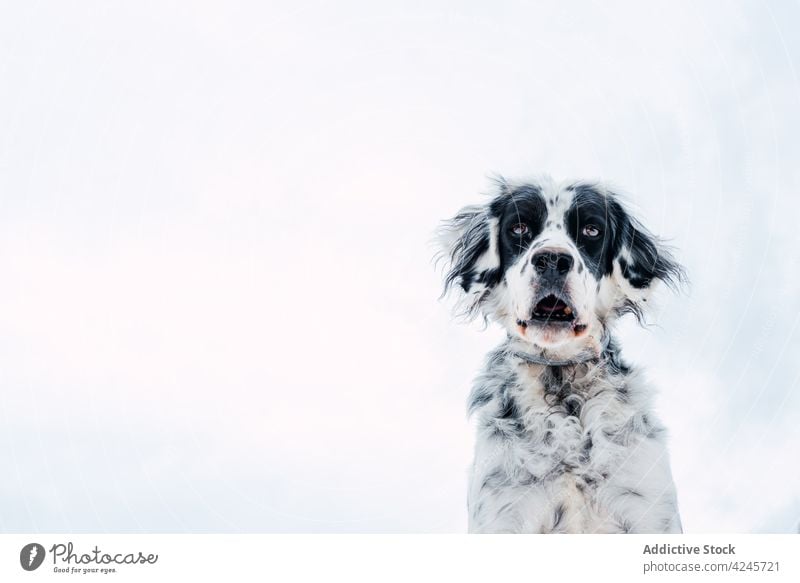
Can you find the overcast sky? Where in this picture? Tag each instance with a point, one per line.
(218, 310)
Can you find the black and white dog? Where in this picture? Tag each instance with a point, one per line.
(567, 441)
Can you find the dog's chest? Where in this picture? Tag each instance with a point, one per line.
(559, 417)
(559, 449)
(553, 455)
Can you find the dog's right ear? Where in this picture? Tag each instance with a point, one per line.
(469, 245)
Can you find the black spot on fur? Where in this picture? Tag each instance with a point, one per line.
(508, 407)
(479, 397)
(628, 306)
(586, 450)
(649, 260)
(572, 405)
(614, 360)
(506, 420)
(488, 277)
(558, 516)
(552, 378)
(631, 492)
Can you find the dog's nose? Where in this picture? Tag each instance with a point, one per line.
(552, 262)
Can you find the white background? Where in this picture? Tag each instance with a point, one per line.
(218, 310)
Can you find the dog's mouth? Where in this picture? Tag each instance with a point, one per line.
(551, 309)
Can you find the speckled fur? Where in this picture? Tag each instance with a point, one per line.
(567, 449)
(562, 449)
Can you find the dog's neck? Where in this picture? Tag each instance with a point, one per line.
(545, 361)
(541, 358)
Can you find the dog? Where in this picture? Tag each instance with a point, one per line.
(567, 441)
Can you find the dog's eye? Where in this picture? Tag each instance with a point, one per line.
(591, 231)
(519, 229)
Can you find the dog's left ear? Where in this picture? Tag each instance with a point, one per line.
(642, 261)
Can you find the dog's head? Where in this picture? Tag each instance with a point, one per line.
(555, 264)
